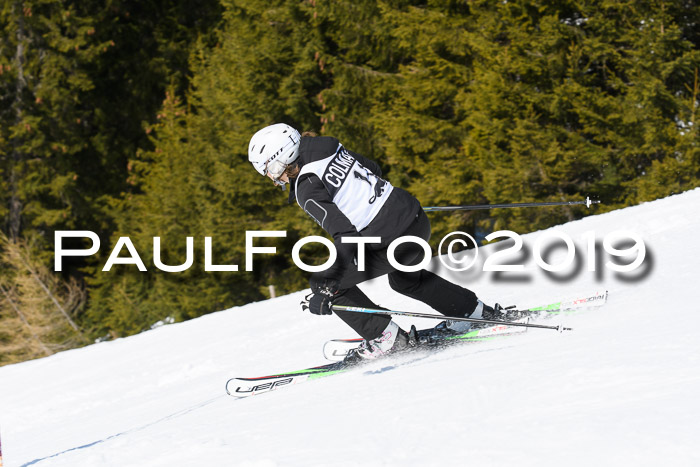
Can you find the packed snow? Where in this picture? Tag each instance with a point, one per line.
(622, 388)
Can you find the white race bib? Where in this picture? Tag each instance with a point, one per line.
(358, 193)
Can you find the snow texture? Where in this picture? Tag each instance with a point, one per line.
(621, 389)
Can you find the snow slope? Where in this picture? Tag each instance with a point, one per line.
(621, 389)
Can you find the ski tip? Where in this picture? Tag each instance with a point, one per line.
(227, 387)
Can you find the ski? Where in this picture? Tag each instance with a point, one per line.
(245, 387)
(337, 349)
(595, 300)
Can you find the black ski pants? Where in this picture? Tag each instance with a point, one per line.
(442, 295)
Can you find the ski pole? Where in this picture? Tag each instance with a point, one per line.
(357, 309)
(474, 207)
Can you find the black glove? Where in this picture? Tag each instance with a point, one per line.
(325, 286)
(317, 304)
(320, 300)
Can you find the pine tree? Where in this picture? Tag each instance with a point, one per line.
(77, 82)
(46, 47)
(420, 116)
(37, 307)
(571, 100)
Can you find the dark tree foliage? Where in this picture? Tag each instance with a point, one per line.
(133, 119)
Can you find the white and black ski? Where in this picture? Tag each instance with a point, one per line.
(245, 387)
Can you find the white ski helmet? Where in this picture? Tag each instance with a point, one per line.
(273, 148)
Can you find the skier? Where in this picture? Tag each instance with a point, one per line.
(345, 194)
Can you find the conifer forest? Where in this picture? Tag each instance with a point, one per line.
(132, 119)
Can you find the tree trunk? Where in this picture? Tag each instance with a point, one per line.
(15, 208)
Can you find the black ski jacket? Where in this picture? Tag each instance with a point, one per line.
(397, 213)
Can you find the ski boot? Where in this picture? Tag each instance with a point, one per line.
(482, 311)
(393, 340)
